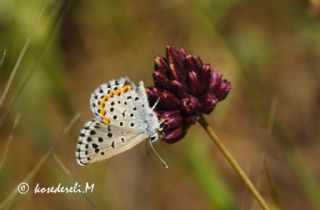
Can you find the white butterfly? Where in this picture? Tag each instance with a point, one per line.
(123, 119)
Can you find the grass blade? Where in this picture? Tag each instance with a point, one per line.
(272, 187)
(208, 178)
(68, 173)
(11, 198)
(62, 9)
(3, 57)
(15, 124)
(22, 53)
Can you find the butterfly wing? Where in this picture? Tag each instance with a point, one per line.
(121, 121)
(98, 142)
(118, 103)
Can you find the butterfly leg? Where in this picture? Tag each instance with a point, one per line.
(155, 104)
(162, 121)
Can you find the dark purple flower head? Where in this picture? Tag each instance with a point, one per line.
(186, 88)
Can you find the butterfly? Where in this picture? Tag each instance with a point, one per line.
(123, 119)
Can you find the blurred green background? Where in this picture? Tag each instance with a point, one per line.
(53, 54)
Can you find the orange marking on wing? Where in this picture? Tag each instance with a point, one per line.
(103, 101)
(106, 120)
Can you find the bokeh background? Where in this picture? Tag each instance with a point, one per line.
(53, 54)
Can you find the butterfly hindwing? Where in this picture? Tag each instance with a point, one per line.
(98, 142)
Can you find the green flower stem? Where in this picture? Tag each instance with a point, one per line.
(263, 204)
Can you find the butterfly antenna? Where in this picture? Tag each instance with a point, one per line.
(158, 155)
(155, 104)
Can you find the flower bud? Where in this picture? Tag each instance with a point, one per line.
(175, 62)
(190, 62)
(172, 119)
(160, 64)
(169, 101)
(223, 90)
(153, 94)
(208, 103)
(190, 104)
(174, 56)
(190, 120)
(193, 82)
(160, 79)
(178, 89)
(204, 75)
(174, 135)
(215, 79)
(183, 53)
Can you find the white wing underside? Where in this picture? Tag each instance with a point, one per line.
(98, 146)
(127, 127)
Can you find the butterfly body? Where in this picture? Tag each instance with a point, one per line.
(123, 119)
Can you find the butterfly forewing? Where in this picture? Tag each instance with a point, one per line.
(117, 103)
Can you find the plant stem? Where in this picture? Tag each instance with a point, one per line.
(233, 163)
